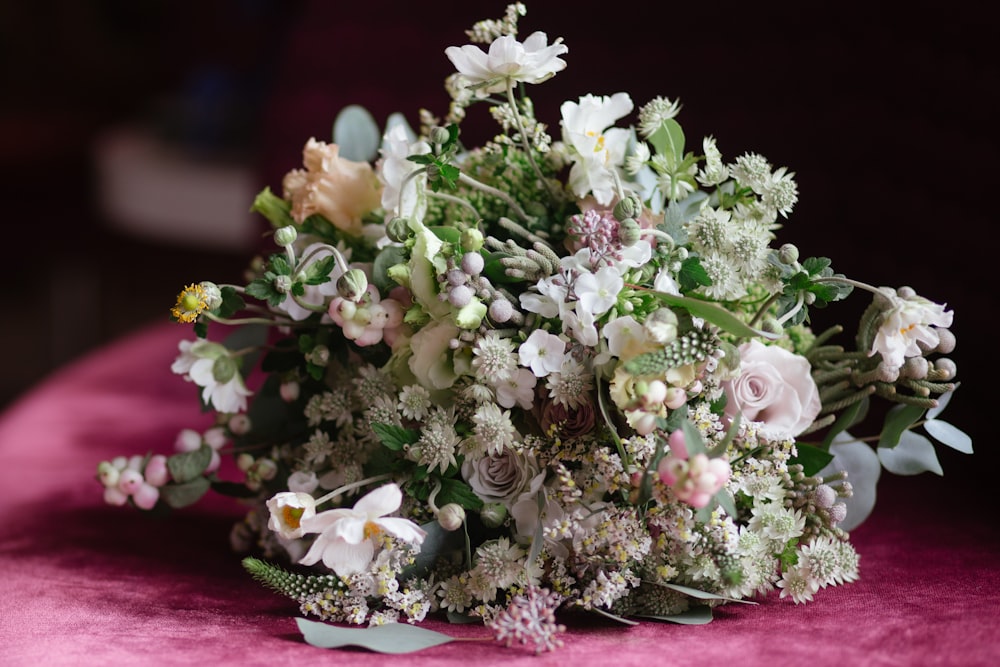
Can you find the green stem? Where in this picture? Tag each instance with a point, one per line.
(524, 138)
(455, 200)
(350, 487)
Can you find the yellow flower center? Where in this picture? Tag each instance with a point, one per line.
(292, 516)
(372, 529)
(190, 304)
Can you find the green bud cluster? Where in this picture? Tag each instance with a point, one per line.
(690, 347)
(295, 586)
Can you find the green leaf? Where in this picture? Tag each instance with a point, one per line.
(389, 257)
(668, 140)
(851, 415)
(395, 437)
(726, 502)
(698, 615)
(391, 638)
(356, 134)
(702, 595)
(457, 491)
(693, 439)
(278, 264)
(232, 302)
(188, 466)
(913, 455)
(182, 495)
(812, 459)
(898, 420)
(318, 272)
(692, 275)
(714, 314)
(438, 543)
(949, 435)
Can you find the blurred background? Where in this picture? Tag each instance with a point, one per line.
(133, 136)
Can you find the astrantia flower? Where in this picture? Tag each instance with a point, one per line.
(533, 61)
(493, 357)
(654, 112)
(346, 540)
(596, 150)
(414, 401)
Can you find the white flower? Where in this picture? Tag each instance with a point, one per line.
(533, 61)
(346, 541)
(414, 401)
(211, 367)
(394, 171)
(598, 292)
(906, 325)
(518, 389)
(624, 333)
(315, 295)
(542, 352)
(596, 150)
(288, 510)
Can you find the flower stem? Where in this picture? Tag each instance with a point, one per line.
(350, 487)
(500, 194)
(456, 200)
(524, 137)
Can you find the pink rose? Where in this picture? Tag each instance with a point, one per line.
(501, 477)
(774, 386)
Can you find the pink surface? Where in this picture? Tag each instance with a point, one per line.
(84, 583)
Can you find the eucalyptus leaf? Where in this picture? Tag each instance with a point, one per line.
(949, 435)
(390, 638)
(726, 502)
(698, 615)
(863, 469)
(356, 133)
(942, 402)
(913, 455)
(702, 595)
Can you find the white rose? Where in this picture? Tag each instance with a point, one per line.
(774, 386)
(501, 477)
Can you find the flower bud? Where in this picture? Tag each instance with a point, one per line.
(661, 325)
(244, 461)
(398, 229)
(282, 284)
(772, 326)
(501, 311)
(213, 295)
(946, 367)
(352, 285)
(915, 368)
(285, 236)
(451, 517)
(319, 355)
(824, 496)
(946, 341)
(493, 515)
(472, 240)
(239, 424)
(838, 513)
(440, 135)
(265, 468)
(473, 263)
(629, 207)
(289, 391)
(788, 254)
(629, 232)
(107, 473)
(224, 369)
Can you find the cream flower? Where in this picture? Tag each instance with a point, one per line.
(211, 367)
(346, 541)
(906, 325)
(596, 150)
(533, 61)
(288, 510)
(340, 190)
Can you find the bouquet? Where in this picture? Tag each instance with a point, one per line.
(564, 370)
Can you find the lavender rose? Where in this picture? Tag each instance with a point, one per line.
(774, 386)
(500, 477)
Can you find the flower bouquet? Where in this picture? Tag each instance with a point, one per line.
(547, 373)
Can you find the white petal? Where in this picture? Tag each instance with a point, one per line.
(380, 501)
(404, 529)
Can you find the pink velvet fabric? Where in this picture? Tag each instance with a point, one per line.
(88, 584)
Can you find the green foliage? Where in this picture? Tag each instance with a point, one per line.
(898, 420)
(812, 459)
(395, 437)
(692, 275)
(290, 584)
(187, 466)
(187, 493)
(392, 638)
